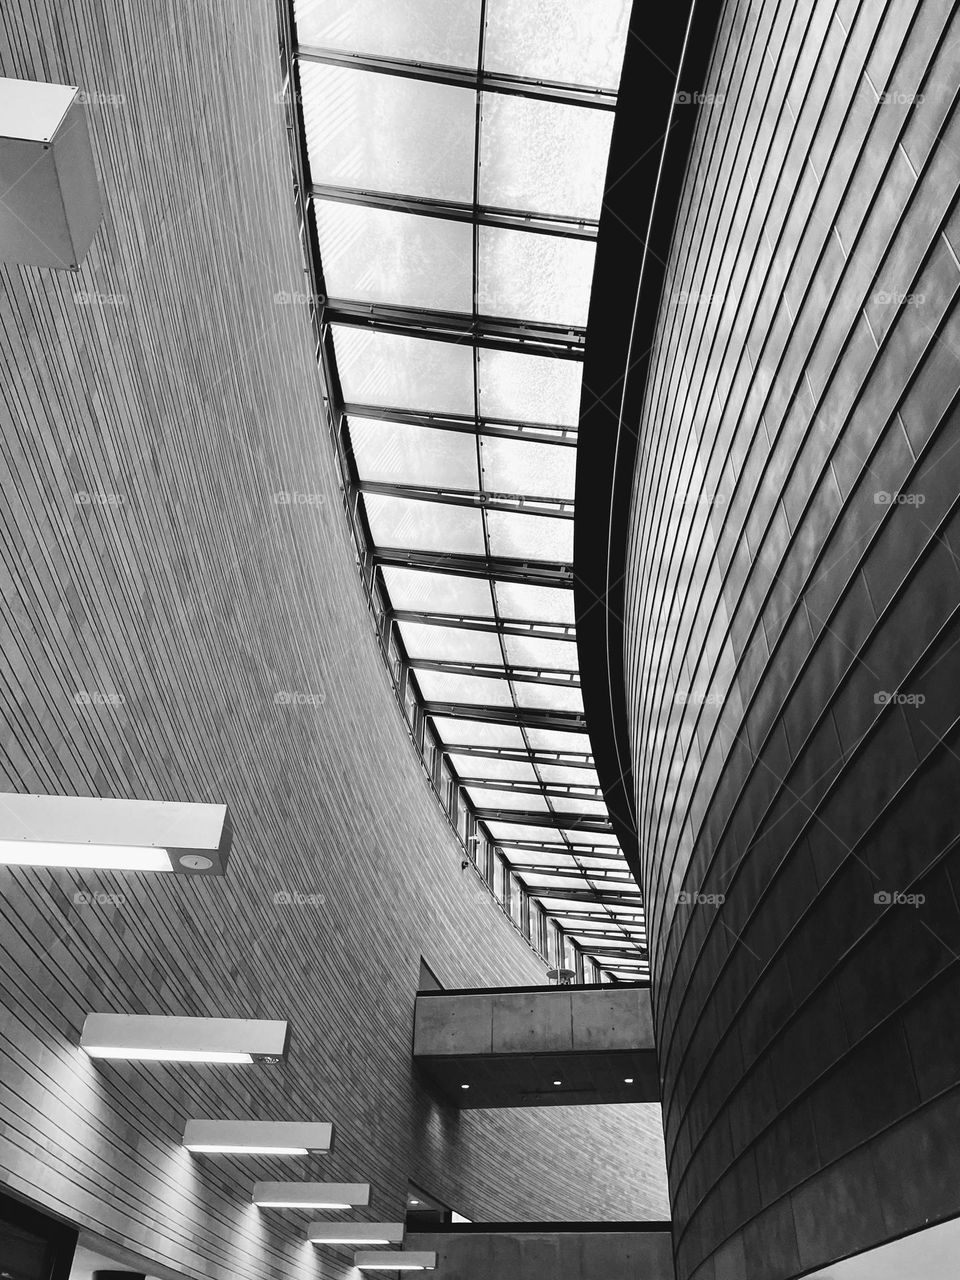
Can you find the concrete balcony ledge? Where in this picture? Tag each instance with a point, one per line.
(550, 1251)
(538, 1046)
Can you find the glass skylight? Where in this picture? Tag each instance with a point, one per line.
(455, 210)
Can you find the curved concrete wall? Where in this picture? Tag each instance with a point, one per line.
(169, 628)
(792, 645)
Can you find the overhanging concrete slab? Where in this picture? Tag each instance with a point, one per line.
(538, 1252)
(538, 1046)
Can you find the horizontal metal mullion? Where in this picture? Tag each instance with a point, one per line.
(578, 895)
(574, 95)
(491, 333)
(523, 717)
(459, 211)
(618, 921)
(538, 573)
(558, 790)
(579, 821)
(637, 954)
(491, 671)
(516, 503)
(494, 626)
(578, 760)
(507, 428)
(574, 873)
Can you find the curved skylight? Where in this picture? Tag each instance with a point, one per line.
(457, 152)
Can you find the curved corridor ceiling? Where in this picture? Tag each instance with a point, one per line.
(457, 153)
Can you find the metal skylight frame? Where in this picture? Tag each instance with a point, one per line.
(494, 333)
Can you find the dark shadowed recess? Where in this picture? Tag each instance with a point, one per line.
(666, 58)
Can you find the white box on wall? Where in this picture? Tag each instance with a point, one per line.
(50, 203)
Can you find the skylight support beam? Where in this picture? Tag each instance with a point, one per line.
(525, 675)
(493, 626)
(525, 717)
(519, 504)
(580, 821)
(542, 573)
(506, 428)
(560, 342)
(572, 95)
(457, 211)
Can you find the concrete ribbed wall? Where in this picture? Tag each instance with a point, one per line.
(155, 600)
(792, 563)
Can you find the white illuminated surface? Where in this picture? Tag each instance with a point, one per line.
(366, 1233)
(397, 1260)
(311, 1195)
(257, 1137)
(164, 1055)
(101, 857)
(160, 1038)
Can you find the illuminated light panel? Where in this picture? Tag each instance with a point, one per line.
(113, 835)
(147, 1038)
(311, 1195)
(355, 1233)
(256, 1137)
(396, 1260)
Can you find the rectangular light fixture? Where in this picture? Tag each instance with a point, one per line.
(256, 1137)
(145, 1038)
(114, 835)
(355, 1233)
(311, 1195)
(395, 1260)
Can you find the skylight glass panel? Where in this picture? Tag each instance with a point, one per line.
(441, 686)
(389, 370)
(423, 526)
(576, 804)
(571, 41)
(524, 601)
(528, 651)
(422, 592)
(531, 388)
(490, 798)
(547, 697)
(505, 832)
(408, 454)
(543, 157)
(450, 644)
(537, 882)
(557, 740)
(475, 733)
(528, 467)
(593, 837)
(530, 537)
(531, 277)
(383, 256)
(481, 767)
(388, 133)
(564, 774)
(444, 31)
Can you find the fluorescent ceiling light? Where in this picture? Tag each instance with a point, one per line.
(311, 1195)
(145, 1038)
(355, 1233)
(113, 835)
(256, 1137)
(395, 1260)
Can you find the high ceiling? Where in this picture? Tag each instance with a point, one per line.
(457, 152)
